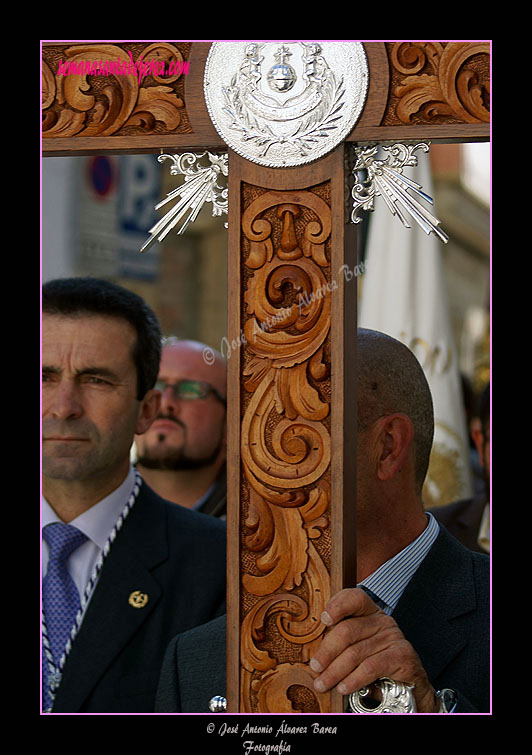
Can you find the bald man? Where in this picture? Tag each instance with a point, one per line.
(182, 456)
(420, 611)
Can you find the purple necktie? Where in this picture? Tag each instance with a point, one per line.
(61, 601)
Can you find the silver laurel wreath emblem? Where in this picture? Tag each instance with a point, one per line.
(315, 112)
(385, 179)
(204, 182)
(285, 104)
(396, 698)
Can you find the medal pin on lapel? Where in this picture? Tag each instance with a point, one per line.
(138, 599)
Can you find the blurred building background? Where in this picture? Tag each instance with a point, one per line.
(96, 214)
(433, 297)
(97, 211)
(462, 183)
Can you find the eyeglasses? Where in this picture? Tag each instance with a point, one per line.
(190, 390)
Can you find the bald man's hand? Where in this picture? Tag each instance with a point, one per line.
(362, 645)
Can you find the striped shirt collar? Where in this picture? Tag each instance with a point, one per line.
(389, 581)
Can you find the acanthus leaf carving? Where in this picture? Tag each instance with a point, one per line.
(72, 106)
(156, 104)
(452, 89)
(297, 618)
(274, 687)
(281, 567)
(301, 448)
(285, 445)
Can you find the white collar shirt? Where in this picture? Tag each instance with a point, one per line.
(97, 524)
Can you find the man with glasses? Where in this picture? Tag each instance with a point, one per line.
(182, 455)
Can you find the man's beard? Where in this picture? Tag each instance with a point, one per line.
(175, 460)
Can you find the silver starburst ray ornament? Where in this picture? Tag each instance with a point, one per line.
(201, 184)
(385, 179)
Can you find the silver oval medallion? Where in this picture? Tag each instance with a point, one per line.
(285, 104)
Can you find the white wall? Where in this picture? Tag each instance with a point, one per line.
(57, 217)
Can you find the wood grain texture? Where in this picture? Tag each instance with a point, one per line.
(288, 500)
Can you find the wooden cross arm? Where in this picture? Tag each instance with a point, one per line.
(430, 91)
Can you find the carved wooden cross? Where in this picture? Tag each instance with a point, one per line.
(292, 318)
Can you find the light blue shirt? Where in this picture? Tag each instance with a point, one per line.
(389, 581)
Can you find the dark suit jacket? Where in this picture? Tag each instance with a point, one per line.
(444, 613)
(463, 519)
(176, 557)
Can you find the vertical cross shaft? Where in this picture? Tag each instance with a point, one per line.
(291, 426)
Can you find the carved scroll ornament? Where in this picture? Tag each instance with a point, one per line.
(444, 82)
(88, 104)
(285, 446)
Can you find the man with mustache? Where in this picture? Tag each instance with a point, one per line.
(119, 563)
(182, 455)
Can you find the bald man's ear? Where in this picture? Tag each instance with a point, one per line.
(395, 437)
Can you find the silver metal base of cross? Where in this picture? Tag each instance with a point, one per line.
(396, 698)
